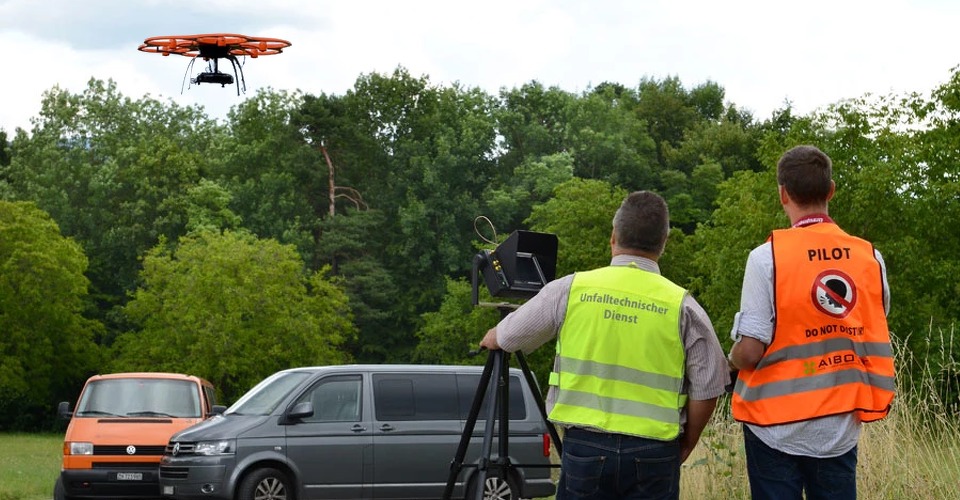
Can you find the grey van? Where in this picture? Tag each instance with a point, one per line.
(357, 431)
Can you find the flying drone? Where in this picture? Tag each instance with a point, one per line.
(213, 47)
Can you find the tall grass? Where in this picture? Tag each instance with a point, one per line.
(912, 454)
(29, 465)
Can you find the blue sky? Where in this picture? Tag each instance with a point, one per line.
(763, 53)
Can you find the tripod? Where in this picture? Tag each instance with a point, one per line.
(497, 369)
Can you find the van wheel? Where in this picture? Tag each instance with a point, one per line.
(266, 484)
(496, 488)
(59, 493)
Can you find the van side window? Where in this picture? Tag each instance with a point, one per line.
(335, 399)
(468, 384)
(415, 396)
(211, 396)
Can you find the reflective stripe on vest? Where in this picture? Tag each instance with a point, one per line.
(620, 358)
(830, 352)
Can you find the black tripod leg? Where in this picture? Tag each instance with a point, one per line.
(522, 361)
(499, 364)
(503, 401)
(457, 464)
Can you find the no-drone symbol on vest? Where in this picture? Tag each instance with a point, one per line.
(834, 293)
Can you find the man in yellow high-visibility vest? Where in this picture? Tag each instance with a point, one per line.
(638, 367)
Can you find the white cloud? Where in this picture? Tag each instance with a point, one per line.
(812, 53)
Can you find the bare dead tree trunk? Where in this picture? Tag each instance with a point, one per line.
(332, 185)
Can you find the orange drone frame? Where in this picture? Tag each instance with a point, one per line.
(213, 47)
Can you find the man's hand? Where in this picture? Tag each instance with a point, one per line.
(490, 340)
(698, 415)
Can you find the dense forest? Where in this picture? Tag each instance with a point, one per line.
(138, 234)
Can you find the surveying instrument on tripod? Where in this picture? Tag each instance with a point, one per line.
(518, 268)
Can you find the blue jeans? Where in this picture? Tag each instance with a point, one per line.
(776, 475)
(603, 466)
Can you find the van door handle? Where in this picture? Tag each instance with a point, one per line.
(358, 428)
(386, 428)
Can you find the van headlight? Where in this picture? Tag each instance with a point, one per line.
(224, 447)
(81, 448)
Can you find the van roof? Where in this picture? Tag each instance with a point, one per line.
(160, 375)
(394, 368)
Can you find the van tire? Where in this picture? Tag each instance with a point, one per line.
(266, 484)
(496, 488)
(59, 493)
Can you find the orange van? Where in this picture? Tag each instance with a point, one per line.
(119, 430)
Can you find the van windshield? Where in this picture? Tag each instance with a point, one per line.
(268, 394)
(140, 397)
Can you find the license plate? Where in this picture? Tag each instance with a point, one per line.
(129, 476)
(168, 490)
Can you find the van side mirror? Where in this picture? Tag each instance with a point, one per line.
(217, 410)
(300, 410)
(63, 410)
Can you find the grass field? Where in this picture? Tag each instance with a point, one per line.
(29, 465)
(913, 454)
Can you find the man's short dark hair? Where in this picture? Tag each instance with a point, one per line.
(806, 173)
(642, 222)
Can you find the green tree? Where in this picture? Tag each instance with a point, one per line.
(729, 144)
(715, 255)
(450, 333)
(352, 241)
(581, 215)
(208, 207)
(609, 141)
(667, 110)
(275, 178)
(531, 120)
(47, 343)
(431, 161)
(533, 182)
(4, 150)
(233, 309)
(112, 171)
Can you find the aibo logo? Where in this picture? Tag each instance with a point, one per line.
(838, 360)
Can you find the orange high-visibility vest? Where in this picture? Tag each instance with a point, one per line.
(830, 352)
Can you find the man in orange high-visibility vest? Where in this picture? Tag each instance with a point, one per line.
(812, 344)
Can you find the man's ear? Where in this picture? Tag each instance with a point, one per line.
(833, 189)
(784, 197)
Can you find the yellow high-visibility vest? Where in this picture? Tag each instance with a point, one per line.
(620, 358)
